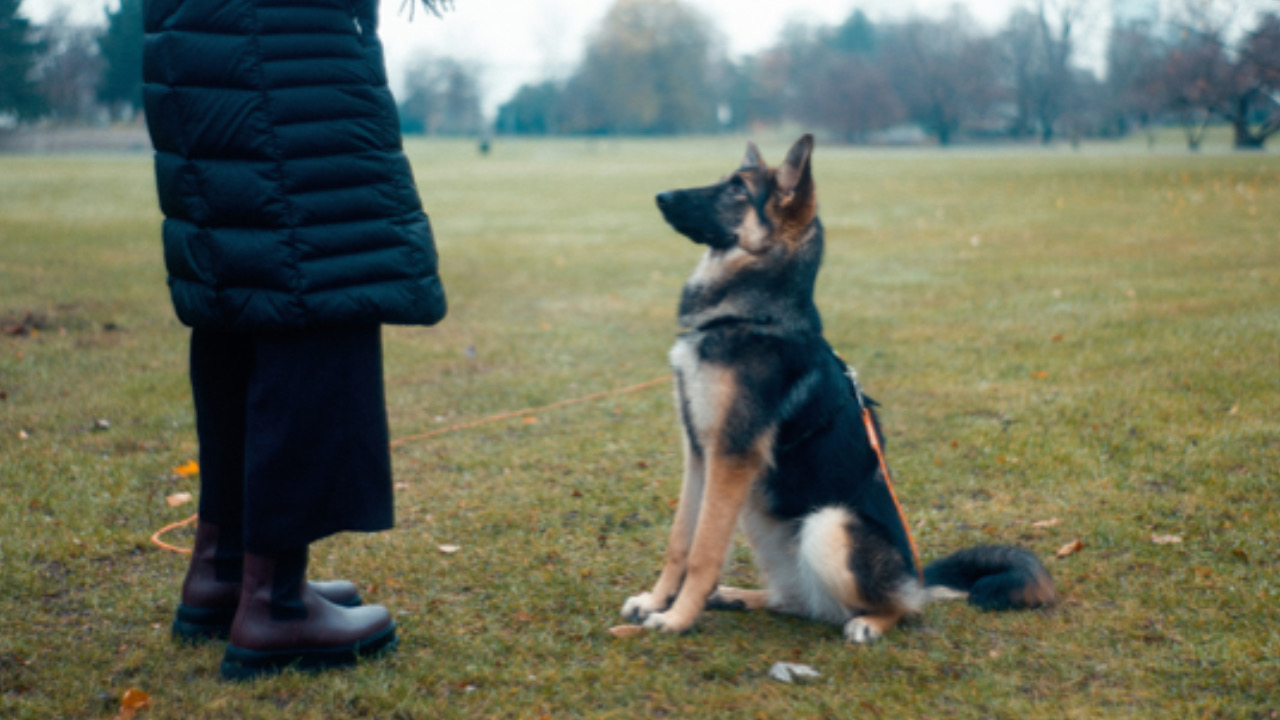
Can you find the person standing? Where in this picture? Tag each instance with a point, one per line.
(293, 230)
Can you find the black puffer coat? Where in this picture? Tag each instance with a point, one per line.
(288, 200)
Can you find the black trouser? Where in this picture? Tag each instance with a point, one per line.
(293, 433)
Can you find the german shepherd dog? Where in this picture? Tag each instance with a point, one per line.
(774, 438)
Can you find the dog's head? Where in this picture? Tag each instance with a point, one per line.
(758, 209)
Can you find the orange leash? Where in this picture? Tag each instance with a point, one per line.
(874, 439)
(155, 537)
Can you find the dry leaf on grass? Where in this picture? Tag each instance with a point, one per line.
(449, 549)
(626, 631)
(188, 468)
(176, 499)
(1045, 523)
(133, 701)
(1070, 548)
(1166, 539)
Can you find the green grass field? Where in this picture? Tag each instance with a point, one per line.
(1089, 337)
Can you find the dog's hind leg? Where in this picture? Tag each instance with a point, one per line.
(639, 607)
(853, 577)
(824, 583)
(732, 598)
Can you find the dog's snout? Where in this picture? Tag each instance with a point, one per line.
(664, 198)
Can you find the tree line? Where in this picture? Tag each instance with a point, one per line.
(661, 67)
(656, 67)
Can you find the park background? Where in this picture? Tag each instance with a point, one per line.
(1074, 343)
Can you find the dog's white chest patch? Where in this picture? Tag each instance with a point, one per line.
(703, 386)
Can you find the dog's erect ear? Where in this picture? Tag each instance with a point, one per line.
(795, 178)
(752, 158)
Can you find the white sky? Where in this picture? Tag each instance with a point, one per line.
(517, 41)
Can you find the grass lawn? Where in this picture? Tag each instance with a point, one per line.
(1091, 338)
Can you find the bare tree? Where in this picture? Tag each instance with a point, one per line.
(1135, 90)
(70, 69)
(442, 97)
(1039, 43)
(851, 96)
(1235, 79)
(650, 68)
(944, 71)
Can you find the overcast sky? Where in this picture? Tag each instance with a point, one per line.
(516, 41)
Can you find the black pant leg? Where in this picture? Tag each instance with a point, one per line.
(317, 460)
(221, 366)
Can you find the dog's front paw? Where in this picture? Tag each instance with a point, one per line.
(638, 608)
(666, 622)
(861, 632)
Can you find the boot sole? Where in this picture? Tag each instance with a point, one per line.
(242, 664)
(195, 625)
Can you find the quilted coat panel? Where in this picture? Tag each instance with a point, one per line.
(288, 200)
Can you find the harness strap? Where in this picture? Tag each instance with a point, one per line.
(874, 438)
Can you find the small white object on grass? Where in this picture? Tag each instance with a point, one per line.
(793, 673)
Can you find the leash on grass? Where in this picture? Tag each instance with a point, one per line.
(155, 537)
(874, 438)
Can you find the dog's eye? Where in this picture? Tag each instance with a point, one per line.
(737, 188)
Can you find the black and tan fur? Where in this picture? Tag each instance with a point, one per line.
(773, 438)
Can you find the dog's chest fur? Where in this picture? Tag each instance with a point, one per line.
(704, 390)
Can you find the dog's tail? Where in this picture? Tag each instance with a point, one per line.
(992, 577)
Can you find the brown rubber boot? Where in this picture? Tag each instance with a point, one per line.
(283, 622)
(211, 588)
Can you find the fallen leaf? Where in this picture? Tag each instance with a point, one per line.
(1070, 548)
(1166, 539)
(190, 467)
(523, 617)
(402, 486)
(176, 499)
(1040, 375)
(449, 549)
(530, 420)
(1045, 523)
(1057, 337)
(23, 435)
(626, 631)
(133, 701)
(101, 424)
